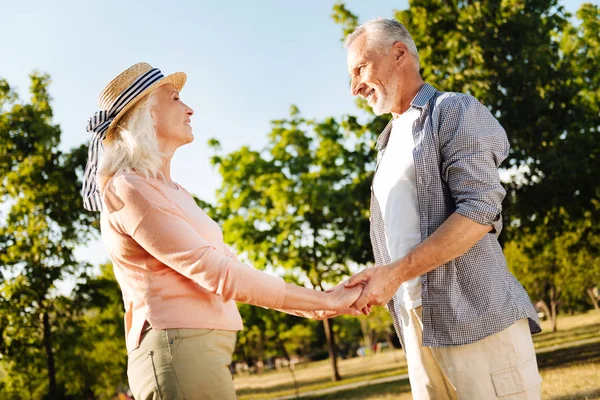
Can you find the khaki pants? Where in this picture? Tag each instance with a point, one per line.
(501, 366)
(182, 364)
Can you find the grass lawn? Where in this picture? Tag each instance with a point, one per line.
(316, 375)
(570, 328)
(571, 373)
(386, 391)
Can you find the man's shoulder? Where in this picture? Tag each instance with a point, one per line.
(450, 100)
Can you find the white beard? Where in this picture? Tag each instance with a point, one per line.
(386, 101)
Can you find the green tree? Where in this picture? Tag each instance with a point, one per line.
(300, 203)
(558, 270)
(299, 338)
(97, 364)
(270, 333)
(376, 327)
(42, 224)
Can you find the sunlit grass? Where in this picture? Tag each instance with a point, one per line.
(578, 368)
(317, 375)
(570, 328)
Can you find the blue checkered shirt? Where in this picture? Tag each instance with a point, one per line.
(458, 148)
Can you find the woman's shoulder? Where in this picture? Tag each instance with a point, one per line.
(130, 188)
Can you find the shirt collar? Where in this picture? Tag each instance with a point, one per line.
(419, 101)
(423, 96)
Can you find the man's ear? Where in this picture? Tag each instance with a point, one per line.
(399, 50)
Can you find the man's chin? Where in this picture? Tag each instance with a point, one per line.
(378, 110)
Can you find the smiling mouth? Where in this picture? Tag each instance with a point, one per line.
(370, 95)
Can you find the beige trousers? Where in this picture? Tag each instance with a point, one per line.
(182, 364)
(501, 366)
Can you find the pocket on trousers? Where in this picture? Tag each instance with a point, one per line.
(150, 369)
(517, 379)
(177, 337)
(141, 373)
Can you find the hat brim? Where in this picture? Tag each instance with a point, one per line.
(177, 79)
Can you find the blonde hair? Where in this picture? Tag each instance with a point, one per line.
(133, 145)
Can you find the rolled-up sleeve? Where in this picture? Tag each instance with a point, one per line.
(473, 145)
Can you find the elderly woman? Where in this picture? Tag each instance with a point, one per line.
(179, 280)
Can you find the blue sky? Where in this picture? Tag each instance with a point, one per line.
(247, 62)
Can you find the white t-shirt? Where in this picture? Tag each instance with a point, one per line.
(396, 192)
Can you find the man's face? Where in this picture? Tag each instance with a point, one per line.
(373, 75)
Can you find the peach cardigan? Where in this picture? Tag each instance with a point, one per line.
(171, 263)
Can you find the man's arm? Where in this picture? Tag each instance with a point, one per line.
(472, 146)
(452, 239)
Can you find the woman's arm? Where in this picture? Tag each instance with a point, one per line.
(299, 299)
(325, 314)
(170, 238)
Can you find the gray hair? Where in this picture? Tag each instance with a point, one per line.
(382, 34)
(135, 146)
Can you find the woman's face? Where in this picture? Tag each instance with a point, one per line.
(171, 119)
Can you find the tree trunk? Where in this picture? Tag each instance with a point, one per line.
(52, 391)
(364, 327)
(390, 342)
(260, 363)
(388, 339)
(328, 326)
(550, 312)
(590, 293)
(291, 368)
(553, 306)
(544, 306)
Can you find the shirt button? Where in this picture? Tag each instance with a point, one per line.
(420, 180)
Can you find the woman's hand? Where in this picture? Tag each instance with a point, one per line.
(341, 298)
(311, 303)
(321, 315)
(338, 301)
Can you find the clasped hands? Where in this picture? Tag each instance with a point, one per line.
(373, 286)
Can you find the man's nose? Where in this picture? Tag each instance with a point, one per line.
(356, 86)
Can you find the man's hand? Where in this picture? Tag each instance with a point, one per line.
(452, 239)
(366, 310)
(380, 284)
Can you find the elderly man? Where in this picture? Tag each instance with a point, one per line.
(464, 321)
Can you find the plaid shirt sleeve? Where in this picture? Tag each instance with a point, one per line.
(472, 146)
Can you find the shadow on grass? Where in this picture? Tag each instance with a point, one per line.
(391, 389)
(324, 381)
(551, 359)
(545, 339)
(282, 387)
(591, 394)
(572, 355)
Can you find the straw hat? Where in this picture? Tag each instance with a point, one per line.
(123, 81)
(116, 99)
